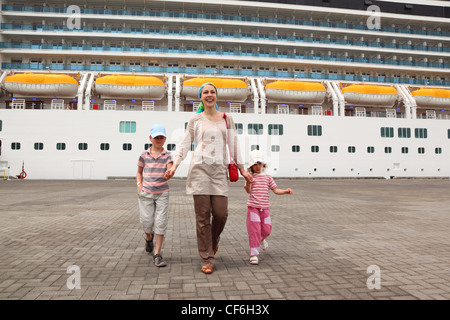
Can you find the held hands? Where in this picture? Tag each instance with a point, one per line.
(169, 173)
(248, 177)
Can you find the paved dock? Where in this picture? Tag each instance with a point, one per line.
(333, 239)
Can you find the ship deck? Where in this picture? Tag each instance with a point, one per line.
(325, 238)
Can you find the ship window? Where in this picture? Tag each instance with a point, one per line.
(127, 126)
(404, 132)
(126, 146)
(448, 133)
(351, 149)
(171, 147)
(255, 128)
(104, 146)
(314, 130)
(404, 149)
(370, 149)
(387, 149)
(1, 124)
(295, 148)
(438, 150)
(15, 145)
(387, 132)
(333, 149)
(82, 146)
(147, 145)
(38, 146)
(254, 147)
(276, 129)
(421, 150)
(239, 128)
(275, 148)
(60, 146)
(314, 148)
(421, 133)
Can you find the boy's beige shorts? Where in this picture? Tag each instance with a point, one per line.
(153, 208)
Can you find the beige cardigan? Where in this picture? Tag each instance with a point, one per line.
(209, 163)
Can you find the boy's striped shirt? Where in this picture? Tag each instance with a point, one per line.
(154, 169)
(259, 194)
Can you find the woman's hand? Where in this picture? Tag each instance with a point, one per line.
(169, 173)
(248, 177)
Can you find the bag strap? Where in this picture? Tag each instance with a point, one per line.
(228, 137)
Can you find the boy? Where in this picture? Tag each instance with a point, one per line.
(153, 192)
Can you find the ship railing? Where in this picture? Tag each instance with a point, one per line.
(391, 113)
(360, 112)
(282, 109)
(109, 105)
(57, 104)
(148, 105)
(316, 110)
(431, 114)
(195, 105)
(18, 104)
(235, 107)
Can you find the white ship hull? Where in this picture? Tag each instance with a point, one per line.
(93, 128)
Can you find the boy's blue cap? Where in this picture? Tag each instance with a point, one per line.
(158, 130)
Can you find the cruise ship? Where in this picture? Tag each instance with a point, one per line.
(324, 88)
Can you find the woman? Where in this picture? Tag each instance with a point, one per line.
(207, 179)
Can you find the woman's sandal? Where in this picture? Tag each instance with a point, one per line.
(254, 260)
(207, 269)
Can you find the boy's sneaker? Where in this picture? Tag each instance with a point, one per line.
(264, 245)
(149, 245)
(159, 261)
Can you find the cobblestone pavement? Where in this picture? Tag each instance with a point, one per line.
(332, 239)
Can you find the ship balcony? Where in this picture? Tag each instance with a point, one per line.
(208, 18)
(136, 105)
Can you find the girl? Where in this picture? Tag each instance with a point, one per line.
(259, 225)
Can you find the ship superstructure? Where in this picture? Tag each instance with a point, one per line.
(324, 88)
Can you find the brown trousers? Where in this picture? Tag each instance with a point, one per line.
(209, 230)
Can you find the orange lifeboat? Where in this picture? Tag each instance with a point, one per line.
(295, 92)
(370, 95)
(228, 89)
(432, 98)
(130, 86)
(41, 85)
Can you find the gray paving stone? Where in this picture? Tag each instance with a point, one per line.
(324, 238)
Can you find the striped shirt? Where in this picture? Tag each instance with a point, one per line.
(259, 192)
(154, 169)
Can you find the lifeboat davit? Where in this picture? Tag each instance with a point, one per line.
(295, 92)
(41, 85)
(432, 98)
(370, 95)
(228, 89)
(130, 86)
